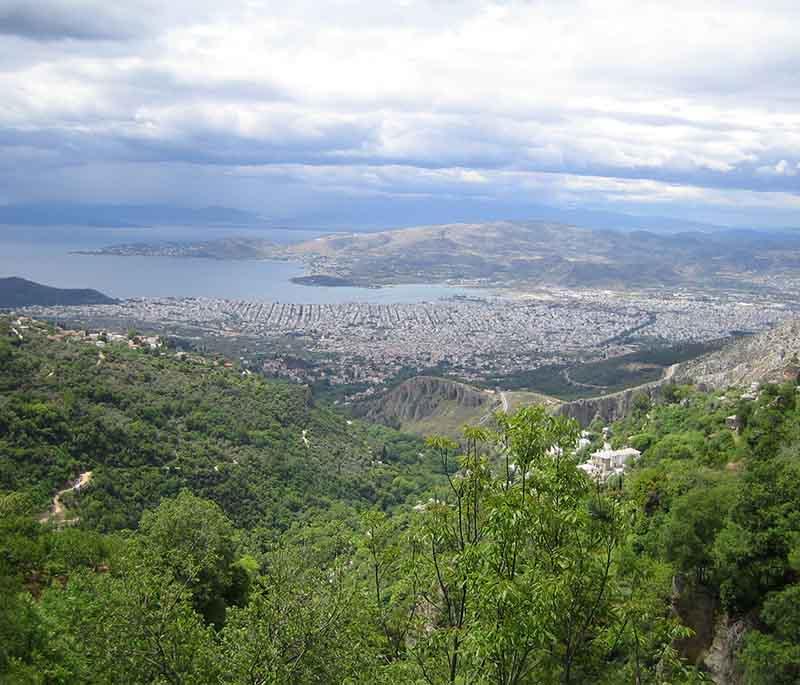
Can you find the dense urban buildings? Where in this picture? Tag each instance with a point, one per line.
(474, 338)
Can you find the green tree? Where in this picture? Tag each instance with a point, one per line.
(641, 403)
(302, 624)
(517, 571)
(137, 627)
(773, 658)
(752, 551)
(193, 541)
(693, 523)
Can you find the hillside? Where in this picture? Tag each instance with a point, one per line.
(426, 405)
(248, 508)
(148, 423)
(513, 253)
(769, 357)
(19, 292)
(431, 405)
(544, 253)
(717, 483)
(761, 358)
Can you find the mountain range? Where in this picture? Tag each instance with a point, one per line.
(544, 253)
(514, 253)
(117, 216)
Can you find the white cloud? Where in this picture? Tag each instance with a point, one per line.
(691, 98)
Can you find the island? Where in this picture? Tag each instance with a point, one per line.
(329, 281)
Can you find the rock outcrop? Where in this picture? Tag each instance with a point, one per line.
(697, 608)
(772, 356)
(428, 400)
(609, 408)
(721, 661)
(765, 357)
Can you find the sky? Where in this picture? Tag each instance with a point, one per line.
(405, 111)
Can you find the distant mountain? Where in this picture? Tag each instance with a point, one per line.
(223, 249)
(532, 253)
(53, 214)
(519, 254)
(18, 292)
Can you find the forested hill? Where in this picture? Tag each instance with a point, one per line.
(149, 422)
(19, 292)
(718, 485)
(264, 539)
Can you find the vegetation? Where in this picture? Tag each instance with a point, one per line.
(148, 425)
(576, 381)
(722, 506)
(353, 559)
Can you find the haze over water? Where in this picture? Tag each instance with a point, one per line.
(46, 255)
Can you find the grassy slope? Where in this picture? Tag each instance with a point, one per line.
(148, 425)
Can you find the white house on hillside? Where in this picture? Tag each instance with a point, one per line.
(607, 462)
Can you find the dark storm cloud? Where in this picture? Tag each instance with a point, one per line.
(48, 20)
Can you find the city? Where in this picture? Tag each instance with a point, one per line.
(473, 339)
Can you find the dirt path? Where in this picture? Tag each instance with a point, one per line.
(58, 511)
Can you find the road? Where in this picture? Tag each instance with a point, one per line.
(583, 385)
(490, 414)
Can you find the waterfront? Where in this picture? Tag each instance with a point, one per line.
(47, 256)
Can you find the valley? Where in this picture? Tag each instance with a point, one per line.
(250, 479)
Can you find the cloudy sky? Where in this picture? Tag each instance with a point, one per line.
(395, 111)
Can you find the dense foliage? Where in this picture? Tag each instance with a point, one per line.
(148, 424)
(233, 532)
(719, 484)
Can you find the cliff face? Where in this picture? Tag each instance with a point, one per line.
(722, 659)
(717, 639)
(611, 407)
(698, 608)
(427, 404)
(762, 358)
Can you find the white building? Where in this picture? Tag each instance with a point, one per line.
(607, 462)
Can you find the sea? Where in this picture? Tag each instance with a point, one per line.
(47, 255)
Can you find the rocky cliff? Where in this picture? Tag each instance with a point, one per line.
(722, 659)
(611, 407)
(761, 358)
(771, 356)
(426, 404)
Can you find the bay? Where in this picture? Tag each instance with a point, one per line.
(46, 255)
